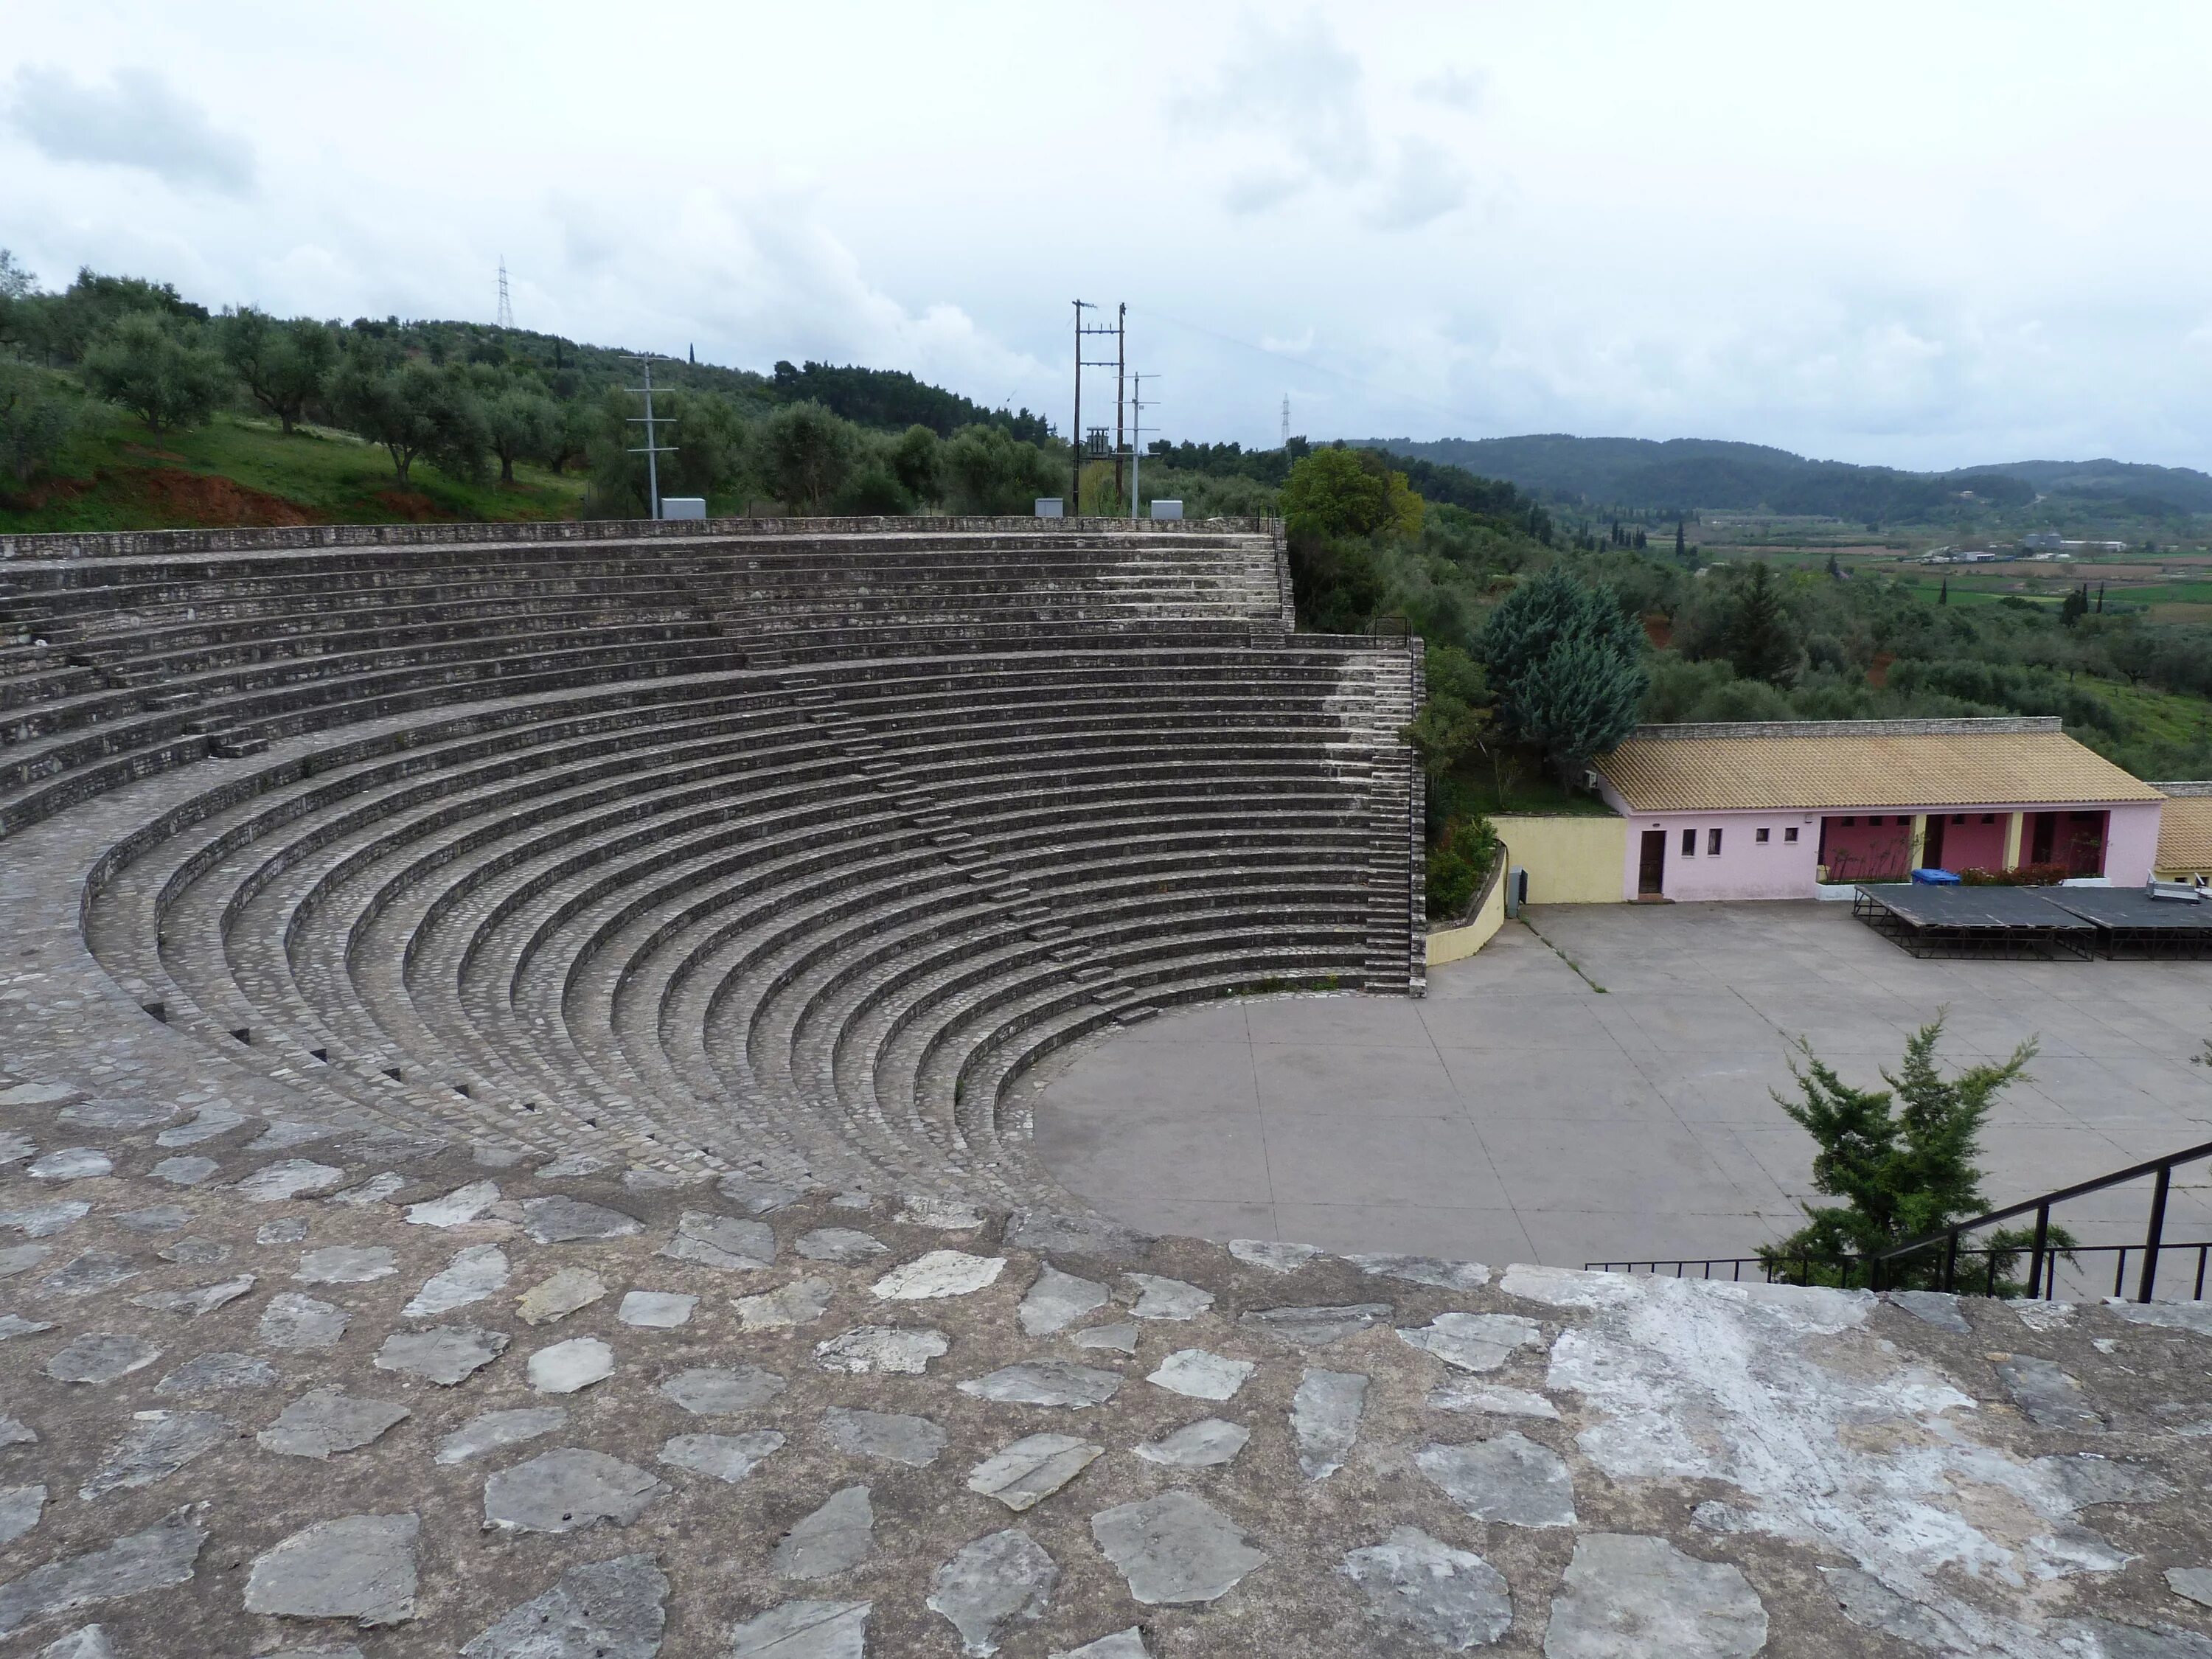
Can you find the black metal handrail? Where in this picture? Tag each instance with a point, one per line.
(2040, 1252)
(1801, 1269)
(2043, 1257)
(1391, 626)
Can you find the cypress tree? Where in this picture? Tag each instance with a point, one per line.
(1943, 594)
(1682, 546)
(1760, 640)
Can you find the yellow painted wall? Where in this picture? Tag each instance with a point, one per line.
(1452, 944)
(1570, 860)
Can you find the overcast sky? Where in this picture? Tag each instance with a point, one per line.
(1925, 235)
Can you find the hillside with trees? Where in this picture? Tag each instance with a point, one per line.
(1544, 645)
(1682, 475)
(124, 405)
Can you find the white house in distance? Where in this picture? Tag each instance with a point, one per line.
(1780, 809)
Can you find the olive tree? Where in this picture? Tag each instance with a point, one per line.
(415, 411)
(158, 368)
(281, 364)
(37, 415)
(807, 452)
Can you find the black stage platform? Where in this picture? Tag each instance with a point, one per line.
(2015, 923)
(2133, 927)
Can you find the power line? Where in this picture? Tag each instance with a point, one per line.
(1452, 415)
(506, 310)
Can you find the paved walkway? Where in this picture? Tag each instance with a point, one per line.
(262, 1393)
(1520, 1114)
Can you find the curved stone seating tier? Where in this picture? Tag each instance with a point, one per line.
(780, 849)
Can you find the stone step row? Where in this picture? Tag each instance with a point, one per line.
(809, 1013)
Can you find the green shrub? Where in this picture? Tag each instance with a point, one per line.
(1458, 865)
(2028, 875)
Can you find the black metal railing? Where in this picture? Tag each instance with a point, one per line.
(2040, 1255)
(1725, 1267)
(1392, 627)
(1956, 1271)
(1854, 1271)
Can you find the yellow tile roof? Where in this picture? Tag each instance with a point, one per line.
(1847, 769)
(2185, 837)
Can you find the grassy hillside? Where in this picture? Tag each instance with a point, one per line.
(240, 471)
(238, 417)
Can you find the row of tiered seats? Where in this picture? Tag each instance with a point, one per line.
(781, 852)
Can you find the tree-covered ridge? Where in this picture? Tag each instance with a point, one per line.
(893, 398)
(1680, 475)
(469, 402)
(464, 421)
(1544, 647)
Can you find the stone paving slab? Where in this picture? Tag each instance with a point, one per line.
(1417, 1456)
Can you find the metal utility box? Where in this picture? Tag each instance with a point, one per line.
(1050, 507)
(1167, 509)
(683, 506)
(1517, 890)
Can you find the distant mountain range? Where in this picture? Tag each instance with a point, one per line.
(1643, 475)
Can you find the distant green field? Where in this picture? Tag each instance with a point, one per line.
(2170, 593)
(1962, 592)
(240, 471)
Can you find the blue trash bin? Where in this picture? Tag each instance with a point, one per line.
(1935, 877)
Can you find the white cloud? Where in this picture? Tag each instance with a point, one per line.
(1488, 220)
(1258, 191)
(1425, 183)
(136, 121)
(1292, 95)
(1453, 88)
(753, 278)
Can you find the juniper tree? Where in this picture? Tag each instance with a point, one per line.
(1566, 664)
(1902, 1159)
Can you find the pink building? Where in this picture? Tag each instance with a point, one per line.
(1781, 809)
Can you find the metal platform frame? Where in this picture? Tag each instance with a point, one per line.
(2132, 927)
(1945, 922)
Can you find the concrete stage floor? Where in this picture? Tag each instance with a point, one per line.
(1520, 1115)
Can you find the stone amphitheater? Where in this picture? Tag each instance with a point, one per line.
(509, 1146)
